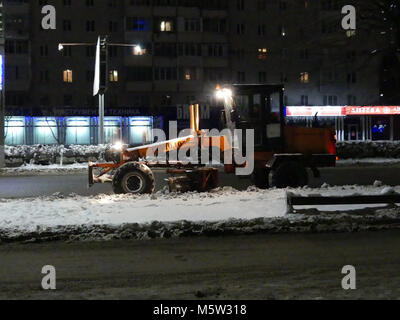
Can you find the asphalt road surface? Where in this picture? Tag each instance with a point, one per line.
(32, 186)
(291, 266)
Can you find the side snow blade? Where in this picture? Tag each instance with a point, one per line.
(91, 180)
(297, 200)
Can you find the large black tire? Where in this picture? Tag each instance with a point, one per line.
(289, 174)
(260, 178)
(133, 178)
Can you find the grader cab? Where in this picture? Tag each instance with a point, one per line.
(282, 154)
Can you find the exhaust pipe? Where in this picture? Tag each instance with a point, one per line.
(197, 117)
(192, 118)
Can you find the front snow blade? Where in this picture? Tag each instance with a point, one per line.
(91, 180)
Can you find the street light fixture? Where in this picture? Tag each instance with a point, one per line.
(223, 93)
(61, 46)
(101, 72)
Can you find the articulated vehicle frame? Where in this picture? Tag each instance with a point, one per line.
(192, 176)
(281, 156)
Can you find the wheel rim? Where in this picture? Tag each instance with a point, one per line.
(133, 183)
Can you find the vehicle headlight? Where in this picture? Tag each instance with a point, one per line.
(117, 146)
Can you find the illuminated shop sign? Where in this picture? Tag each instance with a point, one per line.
(372, 110)
(329, 111)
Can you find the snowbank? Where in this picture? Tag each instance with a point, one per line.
(40, 154)
(34, 169)
(46, 154)
(368, 149)
(219, 205)
(367, 161)
(222, 211)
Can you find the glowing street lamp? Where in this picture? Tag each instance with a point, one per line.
(223, 93)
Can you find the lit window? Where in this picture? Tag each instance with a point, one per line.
(67, 76)
(166, 26)
(188, 76)
(304, 77)
(282, 31)
(113, 76)
(262, 53)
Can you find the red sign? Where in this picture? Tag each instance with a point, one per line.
(372, 110)
(329, 111)
(325, 111)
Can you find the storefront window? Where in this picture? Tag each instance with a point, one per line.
(141, 130)
(112, 129)
(380, 128)
(45, 131)
(78, 131)
(15, 131)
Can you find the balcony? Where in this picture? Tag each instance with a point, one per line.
(18, 85)
(139, 86)
(191, 86)
(216, 62)
(143, 61)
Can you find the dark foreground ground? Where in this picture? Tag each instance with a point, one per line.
(287, 266)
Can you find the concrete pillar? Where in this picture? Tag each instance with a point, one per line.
(391, 128)
(369, 128)
(342, 137)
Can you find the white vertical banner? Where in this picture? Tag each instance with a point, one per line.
(2, 111)
(96, 85)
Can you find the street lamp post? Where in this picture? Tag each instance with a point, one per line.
(2, 94)
(2, 128)
(2, 115)
(101, 74)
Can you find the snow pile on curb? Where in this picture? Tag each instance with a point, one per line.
(34, 169)
(367, 161)
(53, 150)
(368, 149)
(379, 220)
(163, 215)
(50, 154)
(381, 152)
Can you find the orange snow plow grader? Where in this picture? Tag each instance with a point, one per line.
(282, 154)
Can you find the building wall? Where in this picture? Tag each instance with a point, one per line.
(215, 41)
(304, 37)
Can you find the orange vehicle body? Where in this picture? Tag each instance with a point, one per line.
(310, 140)
(292, 151)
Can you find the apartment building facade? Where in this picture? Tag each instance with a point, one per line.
(185, 48)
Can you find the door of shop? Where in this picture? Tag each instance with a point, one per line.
(353, 132)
